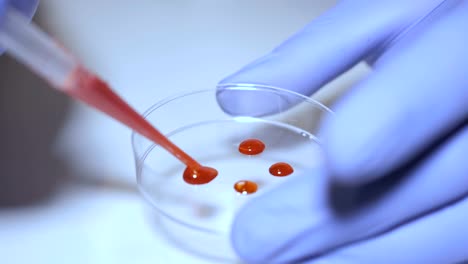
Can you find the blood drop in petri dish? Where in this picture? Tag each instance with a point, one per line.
(251, 146)
(202, 175)
(245, 187)
(281, 169)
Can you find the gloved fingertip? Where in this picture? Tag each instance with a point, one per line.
(236, 94)
(3, 8)
(253, 100)
(27, 7)
(250, 72)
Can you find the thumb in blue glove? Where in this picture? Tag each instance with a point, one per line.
(402, 133)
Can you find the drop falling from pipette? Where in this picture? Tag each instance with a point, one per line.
(28, 44)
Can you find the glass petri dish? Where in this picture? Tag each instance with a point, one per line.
(209, 125)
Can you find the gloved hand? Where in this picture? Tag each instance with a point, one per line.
(396, 151)
(28, 7)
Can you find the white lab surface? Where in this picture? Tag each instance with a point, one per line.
(147, 50)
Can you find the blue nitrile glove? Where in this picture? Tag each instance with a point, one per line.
(396, 151)
(28, 7)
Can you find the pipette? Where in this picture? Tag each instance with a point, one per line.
(28, 44)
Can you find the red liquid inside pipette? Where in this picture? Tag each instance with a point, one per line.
(89, 89)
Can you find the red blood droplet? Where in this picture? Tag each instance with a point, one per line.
(251, 147)
(245, 187)
(201, 175)
(281, 169)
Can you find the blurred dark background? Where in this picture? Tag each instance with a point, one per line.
(31, 116)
